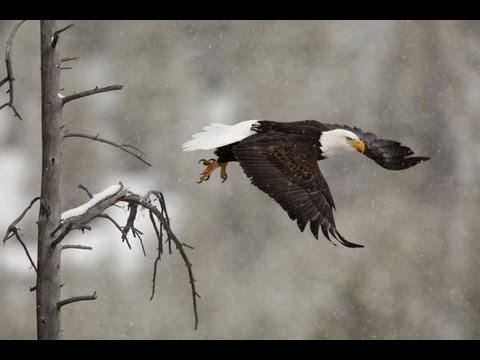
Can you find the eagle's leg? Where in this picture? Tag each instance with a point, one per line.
(223, 171)
(211, 165)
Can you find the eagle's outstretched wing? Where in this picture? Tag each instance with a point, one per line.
(285, 167)
(389, 154)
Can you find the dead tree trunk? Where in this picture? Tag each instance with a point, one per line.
(48, 279)
(52, 228)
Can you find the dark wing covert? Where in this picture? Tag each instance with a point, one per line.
(285, 167)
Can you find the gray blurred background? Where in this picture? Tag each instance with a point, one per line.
(260, 278)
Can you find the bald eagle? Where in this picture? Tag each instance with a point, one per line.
(280, 158)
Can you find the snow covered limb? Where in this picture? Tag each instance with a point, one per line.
(124, 147)
(94, 91)
(9, 77)
(80, 217)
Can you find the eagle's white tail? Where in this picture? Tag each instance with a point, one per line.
(217, 135)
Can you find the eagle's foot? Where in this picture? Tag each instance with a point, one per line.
(211, 165)
(223, 171)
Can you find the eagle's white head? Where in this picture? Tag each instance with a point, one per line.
(336, 141)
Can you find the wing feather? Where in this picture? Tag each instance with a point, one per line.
(391, 155)
(285, 167)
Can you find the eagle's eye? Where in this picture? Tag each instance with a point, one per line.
(349, 138)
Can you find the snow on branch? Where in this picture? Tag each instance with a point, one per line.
(10, 78)
(96, 198)
(81, 216)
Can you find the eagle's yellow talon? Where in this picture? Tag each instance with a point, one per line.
(211, 165)
(223, 171)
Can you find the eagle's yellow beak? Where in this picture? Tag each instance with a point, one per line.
(357, 144)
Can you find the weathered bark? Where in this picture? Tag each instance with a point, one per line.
(48, 279)
(51, 231)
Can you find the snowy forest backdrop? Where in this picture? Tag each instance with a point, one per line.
(413, 81)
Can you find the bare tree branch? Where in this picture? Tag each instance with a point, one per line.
(135, 148)
(131, 226)
(94, 91)
(144, 202)
(81, 227)
(159, 233)
(163, 210)
(84, 188)
(76, 299)
(122, 147)
(154, 280)
(58, 32)
(66, 230)
(10, 78)
(117, 225)
(13, 225)
(25, 248)
(13, 231)
(71, 58)
(131, 219)
(141, 242)
(156, 214)
(76, 227)
(80, 247)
